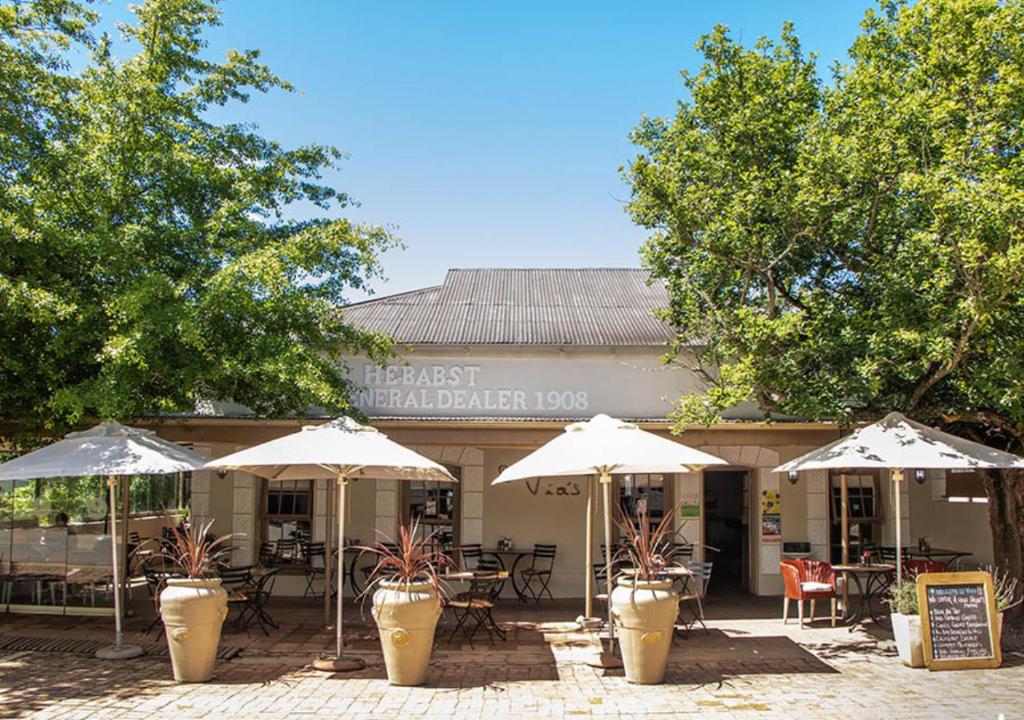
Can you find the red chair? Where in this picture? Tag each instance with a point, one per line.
(807, 580)
(913, 568)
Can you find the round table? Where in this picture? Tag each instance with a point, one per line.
(871, 581)
(514, 556)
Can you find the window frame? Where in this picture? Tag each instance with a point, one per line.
(455, 521)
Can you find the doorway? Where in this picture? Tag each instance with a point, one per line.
(726, 529)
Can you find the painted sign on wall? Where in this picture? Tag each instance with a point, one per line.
(548, 385)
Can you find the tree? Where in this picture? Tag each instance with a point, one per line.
(147, 261)
(847, 250)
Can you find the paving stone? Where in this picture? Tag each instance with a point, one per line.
(748, 665)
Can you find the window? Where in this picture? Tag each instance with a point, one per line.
(157, 493)
(289, 509)
(965, 487)
(862, 493)
(865, 512)
(437, 507)
(641, 493)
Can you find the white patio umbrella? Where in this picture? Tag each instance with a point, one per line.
(894, 443)
(341, 450)
(601, 446)
(112, 450)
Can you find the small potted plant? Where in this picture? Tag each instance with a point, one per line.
(906, 621)
(1008, 594)
(644, 604)
(407, 593)
(193, 606)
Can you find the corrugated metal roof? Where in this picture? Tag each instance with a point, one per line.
(585, 306)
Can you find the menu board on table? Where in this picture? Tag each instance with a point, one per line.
(958, 620)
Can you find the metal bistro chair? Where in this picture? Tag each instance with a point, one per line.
(693, 601)
(601, 574)
(268, 554)
(471, 555)
(286, 550)
(540, 571)
(237, 582)
(476, 606)
(315, 566)
(367, 570)
(682, 553)
(257, 595)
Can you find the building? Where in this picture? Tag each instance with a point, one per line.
(497, 362)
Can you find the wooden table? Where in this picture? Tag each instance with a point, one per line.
(875, 580)
(475, 576)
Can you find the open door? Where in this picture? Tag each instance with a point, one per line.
(727, 528)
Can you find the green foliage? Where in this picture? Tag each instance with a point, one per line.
(146, 262)
(902, 597)
(85, 498)
(841, 251)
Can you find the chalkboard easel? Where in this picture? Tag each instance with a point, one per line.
(958, 620)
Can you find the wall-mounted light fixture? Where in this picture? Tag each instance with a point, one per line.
(920, 476)
(793, 477)
(222, 473)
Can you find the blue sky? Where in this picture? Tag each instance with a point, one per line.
(490, 134)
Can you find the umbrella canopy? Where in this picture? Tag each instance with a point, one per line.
(110, 448)
(896, 441)
(340, 447)
(605, 445)
(601, 446)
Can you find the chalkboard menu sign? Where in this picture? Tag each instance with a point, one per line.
(958, 620)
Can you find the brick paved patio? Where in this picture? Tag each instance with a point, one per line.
(751, 667)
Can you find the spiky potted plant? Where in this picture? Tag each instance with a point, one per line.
(906, 621)
(1008, 594)
(194, 605)
(644, 604)
(407, 596)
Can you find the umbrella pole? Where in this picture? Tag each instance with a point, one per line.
(608, 659)
(125, 565)
(844, 528)
(897, 480)
(340, 663)
(589, 569)
(328, 542)
(119, 651)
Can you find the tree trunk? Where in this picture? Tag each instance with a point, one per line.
(1005, 490)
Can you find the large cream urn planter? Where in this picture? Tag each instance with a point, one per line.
(406, 615)
(193, 611)
(645, 615)
(906, 630)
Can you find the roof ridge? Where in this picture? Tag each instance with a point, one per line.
(392, 296)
